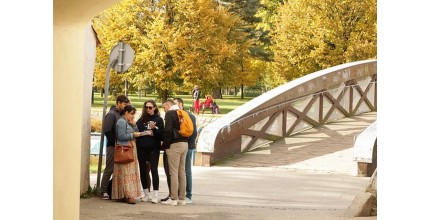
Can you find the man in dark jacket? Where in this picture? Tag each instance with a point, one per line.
(109, 124)
(176, 148)
(190, 152)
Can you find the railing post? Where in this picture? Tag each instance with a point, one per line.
(321, 109)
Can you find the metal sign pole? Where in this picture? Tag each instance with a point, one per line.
(103, 121)
(121, 58)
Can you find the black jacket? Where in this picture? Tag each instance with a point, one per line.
(109, 125)
(150, 141)
(192, 138)
(171, 123)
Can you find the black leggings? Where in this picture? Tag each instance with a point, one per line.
(153, 156)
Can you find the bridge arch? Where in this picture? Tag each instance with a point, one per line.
(310, 101)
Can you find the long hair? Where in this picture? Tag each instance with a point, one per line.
(145, 116)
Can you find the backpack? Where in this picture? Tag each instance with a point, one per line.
(186, 126)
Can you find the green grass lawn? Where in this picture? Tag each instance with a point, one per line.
(226, 104)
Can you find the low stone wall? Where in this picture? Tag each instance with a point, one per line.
(202, 120)
(364, 204)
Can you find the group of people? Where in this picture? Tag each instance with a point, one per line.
(149, 135)
(202, 106)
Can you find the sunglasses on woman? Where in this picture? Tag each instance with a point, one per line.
(149, 107)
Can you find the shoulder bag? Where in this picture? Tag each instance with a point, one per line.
(123, 153)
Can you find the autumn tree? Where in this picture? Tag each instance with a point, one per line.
(310, 35)
(177, 43)
(119, 23)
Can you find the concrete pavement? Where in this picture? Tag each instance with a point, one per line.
(307, 176)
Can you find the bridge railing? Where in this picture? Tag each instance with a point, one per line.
(310, 101)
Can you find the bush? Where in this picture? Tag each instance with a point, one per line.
(96, 125)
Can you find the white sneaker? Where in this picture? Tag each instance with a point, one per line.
(104, 196)
(170, 202)
(181, 202)
(154, 199)
(189, 201)
(145, 198)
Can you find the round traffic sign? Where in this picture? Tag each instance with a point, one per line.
(124, 55)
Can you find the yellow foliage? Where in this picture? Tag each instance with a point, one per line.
(96, 125)
(310, 35)
(177, 43)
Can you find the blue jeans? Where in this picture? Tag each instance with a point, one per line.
(188, 172)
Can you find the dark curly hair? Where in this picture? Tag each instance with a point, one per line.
(145, 116)
(128, 108)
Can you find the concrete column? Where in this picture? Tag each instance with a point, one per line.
(70, 92)
(89, 59)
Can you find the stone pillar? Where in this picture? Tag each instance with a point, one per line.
(70, 92)
(89, 59)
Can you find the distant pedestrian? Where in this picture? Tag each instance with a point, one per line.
(109, 129)
(148, 147)
(190, 152)
(176, 149)
(196, 99)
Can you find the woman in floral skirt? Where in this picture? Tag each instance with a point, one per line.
(126, 184)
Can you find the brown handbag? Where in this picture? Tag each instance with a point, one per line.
(123, 154)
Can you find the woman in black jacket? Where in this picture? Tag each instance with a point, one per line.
(148, 147)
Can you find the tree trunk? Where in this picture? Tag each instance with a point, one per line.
(216, 93)
(92, 96)
(241, 93)
(126, 88)
(235, 91)
(164, 95)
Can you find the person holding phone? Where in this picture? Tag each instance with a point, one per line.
(151, 126)
(126, 181)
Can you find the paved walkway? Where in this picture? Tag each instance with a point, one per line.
(307, 176)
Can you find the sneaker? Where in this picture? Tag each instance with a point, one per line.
(181, 202)
(165, 199)
(104, 196)
(154, 199)
(188, 200)
(145, 198)
(170, 202)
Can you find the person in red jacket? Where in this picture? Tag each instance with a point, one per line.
(207, 104)
(196, 97)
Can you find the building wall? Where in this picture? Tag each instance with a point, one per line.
(70, 83)
(89, 59)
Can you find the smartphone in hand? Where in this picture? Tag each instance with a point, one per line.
(147, 132)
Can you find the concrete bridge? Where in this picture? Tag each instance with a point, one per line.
(310, 101)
